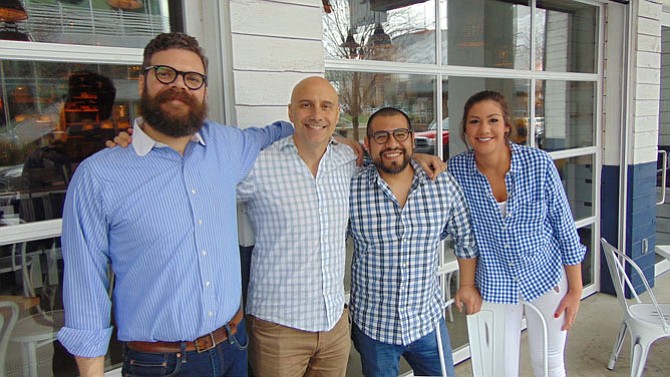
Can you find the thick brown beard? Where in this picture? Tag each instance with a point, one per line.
(173, 126)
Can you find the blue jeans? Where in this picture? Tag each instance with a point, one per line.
(228, 358)
(381, 359)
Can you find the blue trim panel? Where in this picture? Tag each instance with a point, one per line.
(640, 221)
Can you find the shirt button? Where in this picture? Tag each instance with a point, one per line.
(210, 314)
(199, 221)
(204, 253)
(193, 191)
(207, 284)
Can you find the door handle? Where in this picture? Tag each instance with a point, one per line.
(664, 174)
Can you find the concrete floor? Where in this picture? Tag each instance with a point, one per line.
(592, 337)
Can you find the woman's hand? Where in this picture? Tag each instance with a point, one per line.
(469, 296)
(569, 306)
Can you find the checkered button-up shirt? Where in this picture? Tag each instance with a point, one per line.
(523, 252)
(395, 293)
(300, 222)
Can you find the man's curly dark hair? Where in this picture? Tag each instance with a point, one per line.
(166, 41)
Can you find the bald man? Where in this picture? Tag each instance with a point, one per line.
(297, 198)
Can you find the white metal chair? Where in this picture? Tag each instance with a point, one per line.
(647, 322)
(9, 311)
(19, 261)
(486, 334)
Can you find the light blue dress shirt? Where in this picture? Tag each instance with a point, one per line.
(300, 222)
(167, 224)
(395, 292)
(523, 252)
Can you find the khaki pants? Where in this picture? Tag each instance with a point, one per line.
(276, 350)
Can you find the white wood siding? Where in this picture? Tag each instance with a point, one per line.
(274, 44)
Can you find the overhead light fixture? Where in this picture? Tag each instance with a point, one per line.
(351, 45)
(12, 11)
(125, 4)
(379, 38)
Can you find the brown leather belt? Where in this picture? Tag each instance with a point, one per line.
(202, 344)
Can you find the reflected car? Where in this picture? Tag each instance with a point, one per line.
(10, 178)
(424, 141)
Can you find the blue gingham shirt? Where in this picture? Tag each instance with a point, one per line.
(524, 252)
(395, 292)
(300, 222)
(167, 224)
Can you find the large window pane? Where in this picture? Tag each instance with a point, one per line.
(400, 30)
(567, 34)
(577, 176)
(485, 33)
(122, 23)
(566, 110)
(53, 116)
(34, 284)
(361, 94)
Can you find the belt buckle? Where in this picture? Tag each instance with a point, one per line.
(197, 344)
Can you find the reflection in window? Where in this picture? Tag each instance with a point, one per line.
(495, 34)
(566, 110)
(577, 176)
(361, 94)
(400, 31)
(122, 23)
(567, 35)
(54, 115)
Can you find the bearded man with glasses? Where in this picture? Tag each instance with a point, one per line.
(163, 215)
(398, 218)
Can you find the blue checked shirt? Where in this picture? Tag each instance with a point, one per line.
(167, 224)
(300, 222)
(395, 292)
(524, 252)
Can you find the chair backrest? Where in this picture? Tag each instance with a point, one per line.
(486, 334)
(9, 311)
(616, 261)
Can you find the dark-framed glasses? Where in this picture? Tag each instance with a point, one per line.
(400, 134)
(167, 75)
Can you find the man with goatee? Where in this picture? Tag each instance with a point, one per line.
(398, 218)
(163, 215)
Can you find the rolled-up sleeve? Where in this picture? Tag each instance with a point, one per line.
(87, 304)
(460, 223)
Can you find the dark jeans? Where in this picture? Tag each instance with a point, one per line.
(381, 359)
(229, 358)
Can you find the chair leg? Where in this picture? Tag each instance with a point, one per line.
(638, 358)
(617, 346)
(450, 311)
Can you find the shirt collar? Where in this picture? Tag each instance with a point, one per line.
(288, 142)
(143, 143)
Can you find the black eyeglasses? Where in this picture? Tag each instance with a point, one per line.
(400, 134)
(167, 75)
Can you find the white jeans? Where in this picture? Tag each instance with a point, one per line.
(556, 338)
